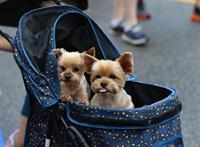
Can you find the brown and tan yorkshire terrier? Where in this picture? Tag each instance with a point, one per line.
(108, 79)
(71, 68)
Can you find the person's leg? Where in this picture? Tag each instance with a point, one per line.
(198, 4)
(196, 13)
(131, 12)
(19, 138)
(142, 14)
(118, 11)
(117, 17)
(132, 30)
(16, 139)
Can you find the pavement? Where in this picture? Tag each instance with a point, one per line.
(171, 58)
(187, 1)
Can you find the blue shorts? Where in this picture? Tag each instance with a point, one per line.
(26, 107)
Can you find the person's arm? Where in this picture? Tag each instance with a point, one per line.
(5, 45)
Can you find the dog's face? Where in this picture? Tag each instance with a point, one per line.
(109, 76)
(71, 66)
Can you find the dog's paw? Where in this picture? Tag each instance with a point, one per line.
(64, 98)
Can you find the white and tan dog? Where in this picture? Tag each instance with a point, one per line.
(108, 79)
(71, 69)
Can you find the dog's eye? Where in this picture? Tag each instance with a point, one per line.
(63, 68)
(112, 76)
(75, 69)
(97, 76)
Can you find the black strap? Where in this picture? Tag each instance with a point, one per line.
(79, 140)
(75, 137)
(54, 128)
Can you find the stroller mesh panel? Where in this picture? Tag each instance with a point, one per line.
(74, 34)
(36, 35)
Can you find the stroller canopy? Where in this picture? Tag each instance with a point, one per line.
(44, 29)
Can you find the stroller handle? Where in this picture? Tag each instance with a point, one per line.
(75, 136)
(82, 141)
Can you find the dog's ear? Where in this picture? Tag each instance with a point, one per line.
(58, 52)
(91, 51)
(89, 61)
(126, 62)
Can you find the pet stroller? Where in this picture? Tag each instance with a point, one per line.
(155, 120)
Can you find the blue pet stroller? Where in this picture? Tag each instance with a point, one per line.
(155, 120)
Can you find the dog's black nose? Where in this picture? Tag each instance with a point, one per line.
(104, 85)
(67, 78)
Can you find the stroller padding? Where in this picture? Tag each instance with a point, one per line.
(151, 108)
(146, 94)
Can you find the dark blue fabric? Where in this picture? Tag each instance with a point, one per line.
(165, 133)
(153, 125)
(26, 107)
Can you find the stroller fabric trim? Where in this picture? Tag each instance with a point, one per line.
(141, 117)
